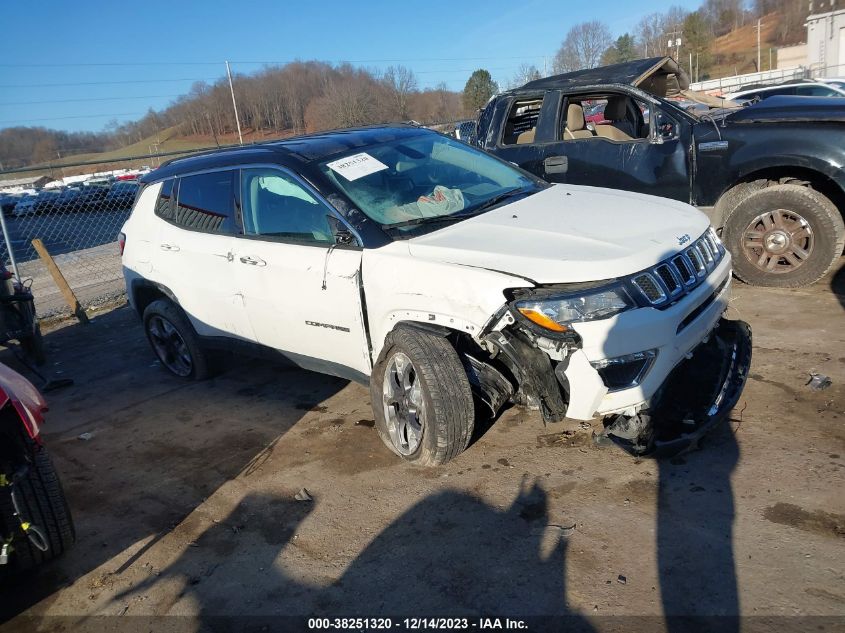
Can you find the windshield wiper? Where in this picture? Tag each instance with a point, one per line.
(510, 193)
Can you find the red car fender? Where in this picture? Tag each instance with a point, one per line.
(25, 398)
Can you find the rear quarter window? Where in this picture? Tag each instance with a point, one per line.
(165, 207)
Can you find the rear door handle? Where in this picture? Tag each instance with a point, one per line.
(556, 164)
(253, 261)
(169, 247)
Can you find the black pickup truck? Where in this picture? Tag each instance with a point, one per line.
(770, 175)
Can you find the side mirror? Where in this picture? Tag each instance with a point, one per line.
(344, 237)
(665, 128)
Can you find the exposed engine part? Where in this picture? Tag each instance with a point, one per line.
(487, 383)
(533, 370)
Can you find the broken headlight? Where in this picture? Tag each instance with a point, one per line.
(556, 312)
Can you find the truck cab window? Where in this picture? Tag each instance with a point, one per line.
(521, 124)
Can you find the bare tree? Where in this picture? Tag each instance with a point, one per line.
(525, 73)
(583, 47)
(401, 83)
(651, 39)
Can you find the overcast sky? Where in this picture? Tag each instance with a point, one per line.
(77, 65)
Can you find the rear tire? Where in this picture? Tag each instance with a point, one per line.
(784, 236)
(439, 392)
(174, 341)
(42, 502)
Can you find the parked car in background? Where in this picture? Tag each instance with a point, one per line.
(838, 82)
(803, 89)
(768, 175)
(120, 195)
(8, 202)
(26, 205)
(46, 201)
(430, 270)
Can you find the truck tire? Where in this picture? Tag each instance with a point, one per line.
(784, 236)
(421, 398)
(42, 503)
(174, 341)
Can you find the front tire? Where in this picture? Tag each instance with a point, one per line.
(784, 236)
(421, 398)
(174, 341)
(42, 503)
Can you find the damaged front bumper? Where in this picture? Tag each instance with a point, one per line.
(696, 396)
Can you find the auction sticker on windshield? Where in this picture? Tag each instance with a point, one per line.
(357, 166)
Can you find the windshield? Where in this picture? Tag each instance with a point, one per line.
(428, 178)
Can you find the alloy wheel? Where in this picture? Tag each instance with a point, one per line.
(778, 241)
(404, 407)
(169, 346)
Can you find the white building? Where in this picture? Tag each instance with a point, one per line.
(826, 39)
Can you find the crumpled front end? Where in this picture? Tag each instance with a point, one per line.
(697, 395)
(659, 375)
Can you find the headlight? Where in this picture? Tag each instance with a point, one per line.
(557, 312)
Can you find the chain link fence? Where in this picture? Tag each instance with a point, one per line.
(71, 215)
(72, 222)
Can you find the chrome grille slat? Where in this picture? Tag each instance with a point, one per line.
(669, 278)
(682, 272)
(684, 268)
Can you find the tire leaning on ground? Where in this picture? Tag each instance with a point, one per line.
(784, 236)
(421, 398)
(42, 503)
(174, 341)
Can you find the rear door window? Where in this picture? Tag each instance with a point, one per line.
(205, 202)
(521, 124)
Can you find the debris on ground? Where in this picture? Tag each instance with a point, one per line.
(818, 381)
(303, 495)
(85, 436)
(621, 579)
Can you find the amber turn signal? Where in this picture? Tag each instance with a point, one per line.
(542, 320)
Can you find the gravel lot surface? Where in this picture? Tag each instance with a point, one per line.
(184, 498)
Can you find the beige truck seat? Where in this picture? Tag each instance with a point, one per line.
(576, 126)
(616, 111)
(526, 137)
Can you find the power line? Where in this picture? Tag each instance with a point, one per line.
(107, 83)
(16, 103)
(83, 116)
(288, 61)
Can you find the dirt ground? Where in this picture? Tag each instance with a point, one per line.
(184, 499)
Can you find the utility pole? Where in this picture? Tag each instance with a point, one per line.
(676, 42)
(234, 104)
(758, 45)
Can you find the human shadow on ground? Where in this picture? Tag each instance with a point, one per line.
(451, 554)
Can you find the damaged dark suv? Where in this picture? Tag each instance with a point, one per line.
(768, 175)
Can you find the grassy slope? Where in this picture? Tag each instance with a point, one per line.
(736, 52)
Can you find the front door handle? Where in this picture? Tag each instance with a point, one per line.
(169, 247)
(253, 261)
(556, 164)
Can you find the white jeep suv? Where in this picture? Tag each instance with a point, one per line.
(448, 280)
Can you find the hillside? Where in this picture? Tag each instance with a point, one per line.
(736, 52)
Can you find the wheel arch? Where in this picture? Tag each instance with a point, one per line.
(778, 174)
(144, 292)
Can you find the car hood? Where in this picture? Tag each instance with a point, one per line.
(791, 108)
(567, 233)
